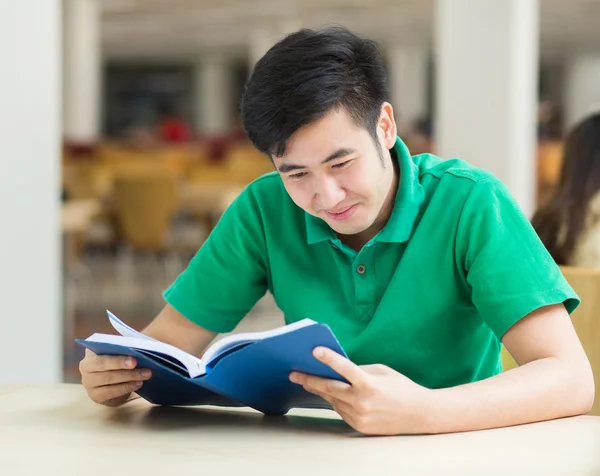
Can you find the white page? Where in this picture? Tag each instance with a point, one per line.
(131, 338)
(193, 365)
(248, 337)
(124, 329)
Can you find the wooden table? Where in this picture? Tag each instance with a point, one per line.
(76, 215)
(56, 430)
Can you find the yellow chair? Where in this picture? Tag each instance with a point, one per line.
(586, 320)
(209, 174)
(144, 205)
(245, 164)
(86, 180)
(508, 362)
(242, 164)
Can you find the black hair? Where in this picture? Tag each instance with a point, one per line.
(308, 74)
(561, 221)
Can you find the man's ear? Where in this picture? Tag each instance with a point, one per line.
(386, 126)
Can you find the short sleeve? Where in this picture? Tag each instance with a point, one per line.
(507, 268)
(227, 276)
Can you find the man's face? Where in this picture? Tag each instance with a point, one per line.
(333, 170)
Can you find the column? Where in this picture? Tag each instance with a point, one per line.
(31, 334)
(82, 71)
(486, 92)
(215, 99)
(582, 91)
(408, 80)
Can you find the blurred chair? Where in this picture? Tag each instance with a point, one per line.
(86, 180)
(145, 204)
(207, 184)
(241, 165)
(586, 320)
(245, 163)
(89, 181)
(209, 174)
(178, 158)
(121, 159)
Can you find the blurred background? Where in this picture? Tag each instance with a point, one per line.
(122, 143)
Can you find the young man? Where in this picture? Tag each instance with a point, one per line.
(421, 267)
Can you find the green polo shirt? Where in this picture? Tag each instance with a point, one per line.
(431, 295)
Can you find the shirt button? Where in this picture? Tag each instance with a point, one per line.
(361, 269)
(334, 246)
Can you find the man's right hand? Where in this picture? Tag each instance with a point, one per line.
(109, 380)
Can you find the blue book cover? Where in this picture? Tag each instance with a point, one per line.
(250, 369)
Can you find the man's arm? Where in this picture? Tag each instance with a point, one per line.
(554, 379)
(173, 328)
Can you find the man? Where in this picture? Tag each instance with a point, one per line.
(421, 267)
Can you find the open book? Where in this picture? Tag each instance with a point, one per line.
(171, 355)
(241, 369)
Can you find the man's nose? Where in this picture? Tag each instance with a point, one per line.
(328, 193)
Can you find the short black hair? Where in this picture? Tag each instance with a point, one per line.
(307, 74)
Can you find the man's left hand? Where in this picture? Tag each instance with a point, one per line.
(378, 400)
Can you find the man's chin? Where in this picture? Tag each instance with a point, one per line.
(346, 229)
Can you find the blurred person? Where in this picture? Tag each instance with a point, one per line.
(171, 126)
(569, 223)
(422, 267)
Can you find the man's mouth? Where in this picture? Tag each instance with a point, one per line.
(341, 213)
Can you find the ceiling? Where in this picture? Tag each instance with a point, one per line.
(176, 28)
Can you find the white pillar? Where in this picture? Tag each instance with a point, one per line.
(487, 62)
(30, 335)
(582, 92)
(82, 71)
(214, 95)
(408, 82)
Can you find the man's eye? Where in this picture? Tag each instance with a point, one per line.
(298, 175)
(341, 165)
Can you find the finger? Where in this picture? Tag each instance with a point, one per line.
(327, 398)
(323, 386)
(342, 411)
(115, 402)
(111, 392)
(343, 408)
(340, 406)
(341, 365)
(112, 377)
(348, 411)
(102, 363)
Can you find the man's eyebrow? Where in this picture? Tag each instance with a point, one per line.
(344, 151)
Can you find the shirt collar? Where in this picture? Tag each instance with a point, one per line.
(409, 197)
